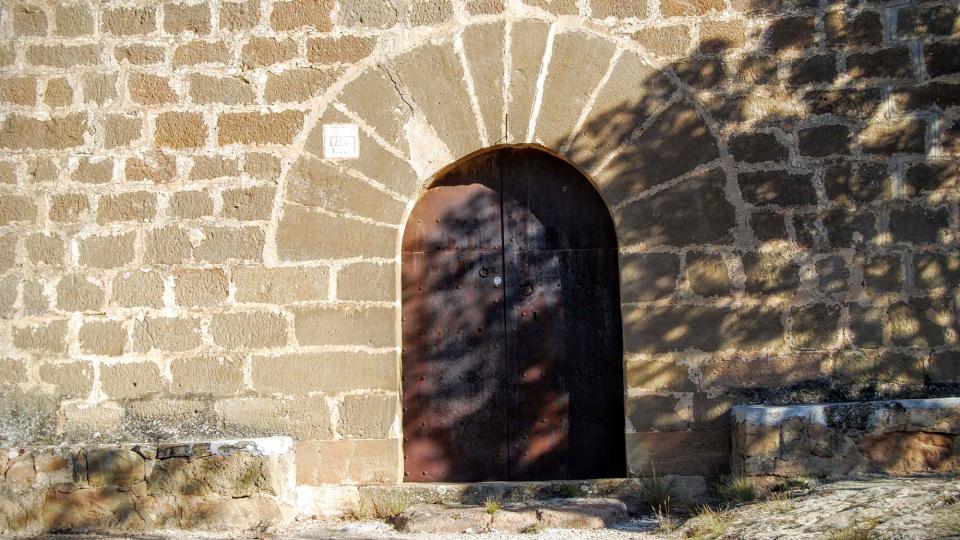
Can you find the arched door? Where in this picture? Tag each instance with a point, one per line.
(512, 347)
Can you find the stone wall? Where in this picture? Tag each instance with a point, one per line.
(890, 437)
(178, 259)
(228, 485)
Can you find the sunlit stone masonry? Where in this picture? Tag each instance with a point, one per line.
(358, 242)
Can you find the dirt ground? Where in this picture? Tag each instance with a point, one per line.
(883, 508)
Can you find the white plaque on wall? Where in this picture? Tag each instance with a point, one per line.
(341, 141)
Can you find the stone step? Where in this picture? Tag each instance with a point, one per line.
(688, 491)
(574, 513)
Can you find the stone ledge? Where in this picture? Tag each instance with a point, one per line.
(888, 437)
(211, 485)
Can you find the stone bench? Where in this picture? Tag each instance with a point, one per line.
(887, 437)
(226, 485)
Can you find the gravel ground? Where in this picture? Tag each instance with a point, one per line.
(925, 508)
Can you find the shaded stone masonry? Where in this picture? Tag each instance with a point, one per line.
(178, 260)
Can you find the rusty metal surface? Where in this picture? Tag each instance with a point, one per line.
(512, 355)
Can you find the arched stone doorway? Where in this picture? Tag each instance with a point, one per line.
(512, 347)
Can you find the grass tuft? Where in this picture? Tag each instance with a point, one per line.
(855, 532)
(492, 506)
(738, 489)
(656, 493)
(710, 524)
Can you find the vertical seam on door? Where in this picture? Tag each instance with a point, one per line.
(506, 350)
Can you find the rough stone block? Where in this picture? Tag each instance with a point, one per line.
(70, 381)
(942, 58)
(707, 274)
(483, 47)
(577, 64)
(693, 212)
(882, 273)
(297, 239)
(369, 326)
(131, 206)
(45, 249)
(300, 417)
(681, 452)
(63, 56)
(201, 287)
(663, 373)
(342, 49)
(676, 143)
(777, 187)
(433, 75)
(18, 91)
(47, 337)
(936, 270)
(824, 141)
(920, 322)
(131, 381)
(76, 292)
(213, 167)
(280, 285)
(757, 148)
(329, 373)
(93, 171)
(221, 244)
(256, 128)
(128, 21)
(367, 416)
(114, 467)
(218, 376)
(815, 326)
(319, 184)
(202, 52)
(139, 54)
(833, 275)
(254, 330)
(149, 89)
(206, 89)
(680, 327)
(166, 334)
(790, 33)
(862, 29)
(190, 205)
(180, 18)
(668, 41)
(137, 288)
(297, 85)
(239, 15)
(367, 282)
(19, 132)
(660, 412)
(929, 19)
(180, 130)
(295, 14)
(265, 51)
(648, 276)
(919, 224)
(680, 8)
(104, 338)
(348, 462)
(528, 41)
(944, 367)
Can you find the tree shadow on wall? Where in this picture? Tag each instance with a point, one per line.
(769, 270)
(716, 311)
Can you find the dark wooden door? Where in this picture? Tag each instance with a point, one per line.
(512, 351)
